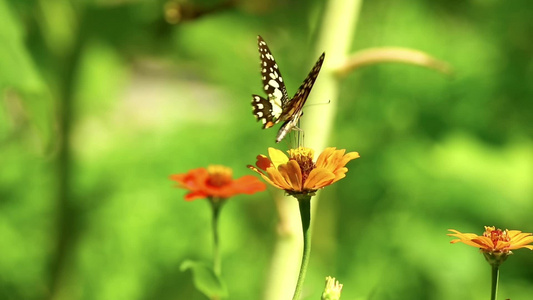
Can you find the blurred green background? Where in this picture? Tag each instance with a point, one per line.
(103, 100)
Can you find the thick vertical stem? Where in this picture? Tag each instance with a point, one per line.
(494, 284)
(66, 209)
(335, 39)
(284, 265)
(305, 214)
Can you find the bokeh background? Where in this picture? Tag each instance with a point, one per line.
(103, 100)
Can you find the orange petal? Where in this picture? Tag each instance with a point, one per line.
(324, 158)
(248, 184)
(340, 174)
(348, 157)
(195, 195)
(335, 159)
(523, 242)
(484, 242)
(462, 235)
(255, 169)
(292, 173)
(516, 235)
(318, 178)
(278, 179)
(193, 180)
(264, 176)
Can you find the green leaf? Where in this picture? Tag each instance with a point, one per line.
(16, 66)
(18, 73)
(205, 280)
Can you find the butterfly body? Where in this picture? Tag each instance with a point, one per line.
(278, 106)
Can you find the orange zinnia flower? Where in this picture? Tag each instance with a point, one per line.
(298, 174)
(216, 182)
(494, 240)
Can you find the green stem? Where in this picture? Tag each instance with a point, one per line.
(305, 212)
(216, 205)
(494, 285)
(67, 229)
(335, 36)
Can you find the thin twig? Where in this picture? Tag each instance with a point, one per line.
(392, 54)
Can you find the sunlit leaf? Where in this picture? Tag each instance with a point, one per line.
(18, 72)
(16, 66)
(205, 279)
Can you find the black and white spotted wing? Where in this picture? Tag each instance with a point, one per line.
(294, 108)
(269, 110)
(278, 107)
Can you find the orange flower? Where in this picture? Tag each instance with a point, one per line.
(216, 182)
(298, 174)
(495, 241)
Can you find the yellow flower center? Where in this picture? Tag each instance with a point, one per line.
(219, 175)
(496, 235)
(304, 158)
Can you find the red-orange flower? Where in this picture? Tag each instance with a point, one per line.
(216, 182)
(495, 241)
(298, 174)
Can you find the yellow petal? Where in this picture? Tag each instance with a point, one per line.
(517, 235)
(277, 156)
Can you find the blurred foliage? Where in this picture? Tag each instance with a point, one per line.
(102, 100)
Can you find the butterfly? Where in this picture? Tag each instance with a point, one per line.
(278, 106)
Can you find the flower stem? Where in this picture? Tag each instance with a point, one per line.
(305, 212)
(216, 205)
(494, 285)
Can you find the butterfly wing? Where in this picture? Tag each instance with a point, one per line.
(269, 110)
(263, 111)
(292, 111)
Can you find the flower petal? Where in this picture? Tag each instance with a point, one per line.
(318, 178)
(264, 176)
(298, 173)
(216, 181)
(277, 156)
(348, 157)
(495, 240)
(248, 184)
(324, 157)
(522, 242)
(278, 179)
(292, 173)
(194, 179)
(340, 174)
(263, 162)
(195, 195)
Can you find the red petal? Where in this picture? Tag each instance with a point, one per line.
(263, 162)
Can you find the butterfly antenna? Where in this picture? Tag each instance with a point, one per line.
(320, 103)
